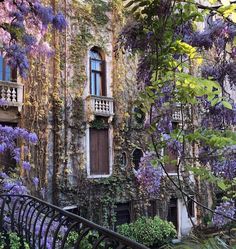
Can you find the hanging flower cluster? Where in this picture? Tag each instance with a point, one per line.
(226, 208)
(148, 175)
(167, 52)
(9, 137)
(23, 25)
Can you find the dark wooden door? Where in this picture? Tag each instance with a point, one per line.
(99, 151)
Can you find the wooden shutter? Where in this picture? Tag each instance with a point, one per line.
(99, 152)
(14, 74)
(103, 78)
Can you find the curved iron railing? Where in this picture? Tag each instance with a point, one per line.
(43, 226)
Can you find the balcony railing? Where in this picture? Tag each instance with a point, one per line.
(43, 226)
(177, 115)
(101, 105)
(11, 93)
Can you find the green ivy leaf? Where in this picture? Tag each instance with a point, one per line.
(226, 104)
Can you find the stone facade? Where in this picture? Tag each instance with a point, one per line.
(59, 107)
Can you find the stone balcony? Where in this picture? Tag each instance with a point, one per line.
(100, 105)
(177, 115)
(11, 93)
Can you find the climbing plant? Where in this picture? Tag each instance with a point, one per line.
(188, 70)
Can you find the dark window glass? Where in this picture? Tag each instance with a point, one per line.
(152, 208)
(173, 212)
(122, 213)
(97, 74)
(136, 157)
(99, 152)
(190, 207)
(6, 72)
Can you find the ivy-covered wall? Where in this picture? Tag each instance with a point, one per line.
(55, 108)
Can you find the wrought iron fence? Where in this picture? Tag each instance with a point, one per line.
(43, 226)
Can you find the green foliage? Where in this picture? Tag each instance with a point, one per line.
(12, 240)
(148, 231)
(99, 123)
(86, 243)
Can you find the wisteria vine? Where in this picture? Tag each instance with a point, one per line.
(172, 50)
(23, 25)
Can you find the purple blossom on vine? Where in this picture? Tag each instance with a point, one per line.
(148, 175)
(26, 166)
(226, 208)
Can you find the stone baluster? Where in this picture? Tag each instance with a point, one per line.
(8, 94)
(107, 106)
(14, 94)
(3, 93)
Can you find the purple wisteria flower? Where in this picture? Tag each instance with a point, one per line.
(59, 21)
(26, 166)
(227, 208)
(149, 175)
(3, 102)
(33, 138)
(35, 182)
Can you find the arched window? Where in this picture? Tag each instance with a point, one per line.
(6, 72)
(136, 157)
(97, 73)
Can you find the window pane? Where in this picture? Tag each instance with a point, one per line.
(93, 82)
(95, 55)
(7, 73)
(98, 84)
(96, 65)
(1, 67)
(190, 206)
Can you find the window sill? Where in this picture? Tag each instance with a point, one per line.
(98, 176)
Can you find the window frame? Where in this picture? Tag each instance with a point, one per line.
(101, 73)
(3, 70)
(110, 153)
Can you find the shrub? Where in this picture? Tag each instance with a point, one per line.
(149, 231)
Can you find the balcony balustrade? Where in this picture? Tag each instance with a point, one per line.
(11, 93)
(177, 116)
(101, 105)
(42, 225)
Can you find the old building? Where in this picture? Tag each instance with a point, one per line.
(82, 105)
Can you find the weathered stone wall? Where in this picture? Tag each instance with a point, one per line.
(55, 108)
